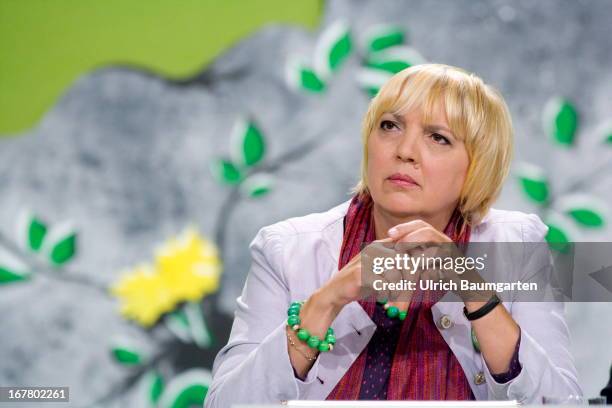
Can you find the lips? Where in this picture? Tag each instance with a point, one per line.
(402, 180)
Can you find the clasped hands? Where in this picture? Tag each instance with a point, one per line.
(416, 252)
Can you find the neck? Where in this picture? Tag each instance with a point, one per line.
(384, 220)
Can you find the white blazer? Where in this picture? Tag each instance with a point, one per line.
(292, 258)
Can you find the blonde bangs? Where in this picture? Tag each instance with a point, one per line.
(476, 114)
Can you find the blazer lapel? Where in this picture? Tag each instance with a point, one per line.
(353, 327)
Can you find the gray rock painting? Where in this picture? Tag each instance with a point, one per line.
(125, 156)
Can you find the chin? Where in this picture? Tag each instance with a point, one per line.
(398, 203)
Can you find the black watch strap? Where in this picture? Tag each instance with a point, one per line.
(486, 308)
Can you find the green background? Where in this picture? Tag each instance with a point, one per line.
(46, 44)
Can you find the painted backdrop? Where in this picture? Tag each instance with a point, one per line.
(133, 182)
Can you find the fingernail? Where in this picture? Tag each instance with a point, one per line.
(392, 231)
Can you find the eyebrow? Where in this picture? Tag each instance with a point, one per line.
(435, 128)
(430, 127)
(398, 118)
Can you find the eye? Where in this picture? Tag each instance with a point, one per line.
(438, 138)
(387, 125)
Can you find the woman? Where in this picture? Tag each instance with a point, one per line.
(437, 146)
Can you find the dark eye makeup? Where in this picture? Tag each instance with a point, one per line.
(388, 125)
(438, 138)
(384, 123)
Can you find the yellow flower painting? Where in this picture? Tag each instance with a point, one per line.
(187, 267)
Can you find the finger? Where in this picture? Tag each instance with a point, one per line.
(368, 276)
(383, 292)
(415, 243)
(433, 263)
(425, 235)
(433, 274)
(395, 273)
(406, 228)
(395, 276)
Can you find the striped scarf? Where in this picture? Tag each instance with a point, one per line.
(423, 366)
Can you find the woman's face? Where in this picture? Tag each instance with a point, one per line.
(416, 168)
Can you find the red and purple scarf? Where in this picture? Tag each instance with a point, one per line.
(423, 366)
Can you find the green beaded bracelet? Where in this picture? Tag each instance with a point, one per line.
(393, 311)
(293, 321)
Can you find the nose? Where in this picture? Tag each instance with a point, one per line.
(407, 149)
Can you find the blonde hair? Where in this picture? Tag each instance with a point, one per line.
(476, 113)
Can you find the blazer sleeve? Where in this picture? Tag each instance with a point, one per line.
(254, 366)
(548, 367)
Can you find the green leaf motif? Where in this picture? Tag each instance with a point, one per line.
(371, 80)
(180, 317)
(225, 171)
(372, 91)
(534, 182)
(37, 230)
(9, 276)
(302, 77)
(587, 217)
(259, 191)
(390, 66)
(536, 190)
(561, 121)
(333, 47)
(64, 250)
(193, 395)
(604, 132)
(395, 59)
(310, 81)
(258, 185)
(126, 356)
(586, 210)
(178, 324)
(385, 37)
(253, 145)
(156, 386)
(197, 325)
(340, 51)
(557, 238)
(186, 390)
